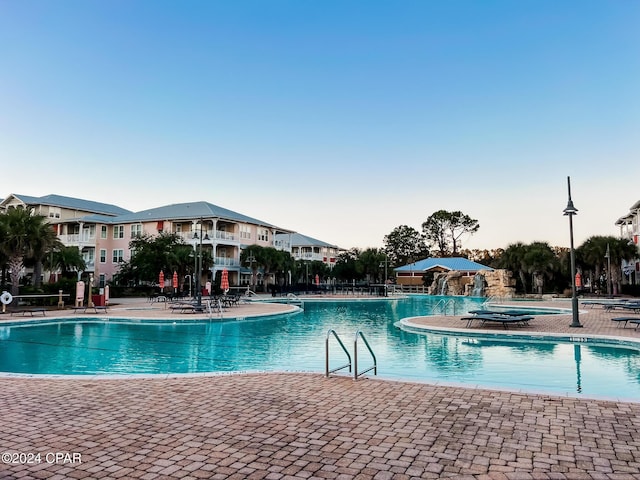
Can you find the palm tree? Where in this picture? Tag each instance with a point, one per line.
(21, 240)
(45, 241)
(540, 261)
(590, 255)
(593, 256)
(513, 258)
(68, 260)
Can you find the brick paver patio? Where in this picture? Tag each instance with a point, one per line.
(299, 426)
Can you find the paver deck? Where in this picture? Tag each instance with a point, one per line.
(300, 426)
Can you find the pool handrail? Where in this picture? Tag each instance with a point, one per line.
(327, 371)
(374, 367)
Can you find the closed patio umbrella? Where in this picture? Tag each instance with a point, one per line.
(175, 281)
(161, 280)
(224, 281)
(317, 280)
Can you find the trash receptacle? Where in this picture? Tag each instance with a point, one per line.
(98, 300)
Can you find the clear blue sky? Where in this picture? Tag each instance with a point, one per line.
(338, 119)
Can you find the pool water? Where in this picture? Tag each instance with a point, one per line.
(296, 342)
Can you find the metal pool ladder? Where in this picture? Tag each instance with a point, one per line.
(356, 374)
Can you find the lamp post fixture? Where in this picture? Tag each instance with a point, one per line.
(608, 257)
(386, 261)
(90, 285)
(570, 211)
(198, 289)
(250, 260)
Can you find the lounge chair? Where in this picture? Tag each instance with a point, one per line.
(626, 320)
(503, 319)
(183, 308)
(30, 311)
(635, 306)
(95, 308)
(613, 306)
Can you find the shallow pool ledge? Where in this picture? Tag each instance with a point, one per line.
(412, 325)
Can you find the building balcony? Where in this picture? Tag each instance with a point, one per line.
(77, 240)
(226, 237)
(208, 236)
(309, 256)
(226, 262)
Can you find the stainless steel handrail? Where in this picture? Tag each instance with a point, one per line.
(450, 302)
(440, 303)
(374, 367)
(327, 371)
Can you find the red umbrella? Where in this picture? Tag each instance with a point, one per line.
(224, 281)
(578, 280)
(175, 280)
(161, 281)
(317, 280)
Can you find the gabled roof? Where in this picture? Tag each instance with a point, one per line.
(71, 203)
(451, 263)
(190, 211)
(300, 240)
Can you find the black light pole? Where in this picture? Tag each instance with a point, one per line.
(608, 257)
(570, 211)
(197, 272)
(386, 258)
(198, 290)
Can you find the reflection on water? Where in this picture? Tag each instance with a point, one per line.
(577, 357)
(297, 342)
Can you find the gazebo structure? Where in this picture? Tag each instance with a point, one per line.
(412, 273)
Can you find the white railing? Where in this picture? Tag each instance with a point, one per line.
(226, 261)
(309, 256)
(220, 235)
(208, 235)
(77, 239)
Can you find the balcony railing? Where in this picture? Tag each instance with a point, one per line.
(226, 261)
(309, 256)
(77, 239)
(218, 235)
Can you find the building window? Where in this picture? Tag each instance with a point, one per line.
(103, 231)
(102, 280)
(54, 212)
(136, 231)
(103, 255)
(245, 231)
(263, 235)
(118, 256)
(118, 231)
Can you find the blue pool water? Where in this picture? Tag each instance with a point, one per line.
(297, 343)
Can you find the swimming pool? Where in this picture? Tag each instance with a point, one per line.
(296, 342)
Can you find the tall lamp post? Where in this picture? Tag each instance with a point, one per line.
(608, 257)
(250, 261)
(570, 211)
(198, 289)
(386, 259)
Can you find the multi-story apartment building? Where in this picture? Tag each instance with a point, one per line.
(306, 248)
(630, 228)
(73, 219)
(102, 233)
(222, 233)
